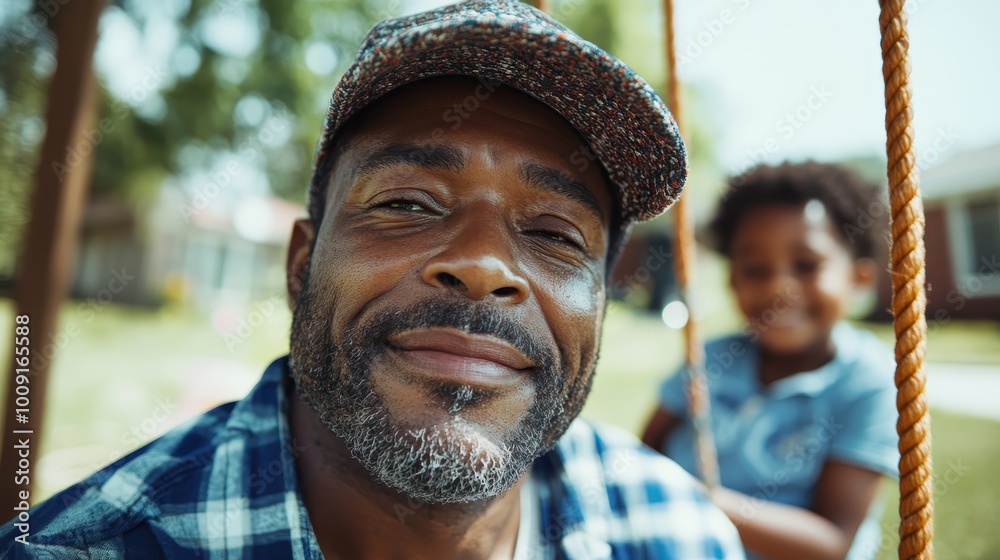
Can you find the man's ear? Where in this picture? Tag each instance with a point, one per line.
(299, 253)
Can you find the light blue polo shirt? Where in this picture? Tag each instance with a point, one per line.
(773, 440)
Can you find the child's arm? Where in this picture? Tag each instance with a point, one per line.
(843, 495)
(659, 427)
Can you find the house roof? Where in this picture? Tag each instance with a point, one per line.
(965, 173)
(260, 219)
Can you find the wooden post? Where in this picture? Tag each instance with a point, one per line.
(61, 181)
(543, 5)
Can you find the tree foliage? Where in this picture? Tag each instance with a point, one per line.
(211, 95)
(247, 79)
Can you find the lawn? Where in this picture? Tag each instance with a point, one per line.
(131, 374)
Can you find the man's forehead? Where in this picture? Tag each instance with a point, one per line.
(418, 123)
(447, 102)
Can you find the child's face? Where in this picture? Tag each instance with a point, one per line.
(794, 276)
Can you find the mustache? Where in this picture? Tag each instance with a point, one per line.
(470, 317)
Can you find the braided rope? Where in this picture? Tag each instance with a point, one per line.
(908, 298)
(684, 253)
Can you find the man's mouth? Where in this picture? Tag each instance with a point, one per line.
(451, 354)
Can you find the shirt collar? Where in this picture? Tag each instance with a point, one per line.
(812, 383)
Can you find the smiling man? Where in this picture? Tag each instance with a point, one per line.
(476, 176)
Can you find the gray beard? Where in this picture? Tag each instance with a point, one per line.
(453, 462)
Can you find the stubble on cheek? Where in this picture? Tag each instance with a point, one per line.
(582, 305)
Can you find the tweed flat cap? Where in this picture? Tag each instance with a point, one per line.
(627, 126)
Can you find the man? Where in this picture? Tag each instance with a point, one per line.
(477, 173)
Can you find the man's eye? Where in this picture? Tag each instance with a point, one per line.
(402, 205)
(558, 238)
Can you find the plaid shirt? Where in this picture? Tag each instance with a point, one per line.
(224, 485)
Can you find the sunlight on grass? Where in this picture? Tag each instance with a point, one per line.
(130, 374)
(966, 492)
(960, 342)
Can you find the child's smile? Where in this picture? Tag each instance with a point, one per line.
(794, 277)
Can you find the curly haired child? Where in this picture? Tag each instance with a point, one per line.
(803, 404)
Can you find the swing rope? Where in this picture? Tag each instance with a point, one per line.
(684, 251)
(908, 279)
(684, 257)
(909, 301)
(916, 527)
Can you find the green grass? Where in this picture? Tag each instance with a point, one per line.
(130, 374)
(111, 384)
(960, 342)
(966, 453)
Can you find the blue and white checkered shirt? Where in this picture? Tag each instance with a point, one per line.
(224, 485)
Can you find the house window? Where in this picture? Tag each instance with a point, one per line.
(975, 243)
(984, 224)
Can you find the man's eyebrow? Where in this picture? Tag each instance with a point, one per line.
(551, 179)
(444, 158)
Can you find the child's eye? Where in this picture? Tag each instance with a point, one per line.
(806, 267)
(755, 271)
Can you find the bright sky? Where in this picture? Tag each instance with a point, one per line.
(771, 58)
(775, 53)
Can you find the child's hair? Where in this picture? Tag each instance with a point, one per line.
(853, 204)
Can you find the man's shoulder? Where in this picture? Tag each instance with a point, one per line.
(635, 499)
(120, 497)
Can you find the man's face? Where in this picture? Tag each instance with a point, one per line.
(448, 328)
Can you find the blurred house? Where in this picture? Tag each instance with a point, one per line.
(201, 252)
(962, 204)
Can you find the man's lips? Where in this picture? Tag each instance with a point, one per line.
(476, 359)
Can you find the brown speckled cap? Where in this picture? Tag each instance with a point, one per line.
(627, 126)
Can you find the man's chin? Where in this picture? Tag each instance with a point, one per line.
(459, 433)
(453, 462)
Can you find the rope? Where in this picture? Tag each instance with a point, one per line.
(684, 252)
(916, 527)
(908, 299)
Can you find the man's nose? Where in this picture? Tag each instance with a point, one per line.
(478, 263)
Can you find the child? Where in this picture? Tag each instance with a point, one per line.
(802, 404)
